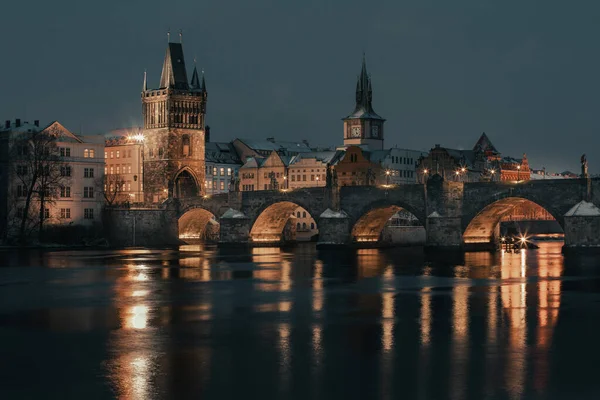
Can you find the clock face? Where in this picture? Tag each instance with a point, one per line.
(375, 131)
(355, 132)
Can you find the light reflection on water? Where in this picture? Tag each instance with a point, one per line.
(300, 320)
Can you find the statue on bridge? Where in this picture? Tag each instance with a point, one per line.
(584, 166)
(234, 183)
(274, 184)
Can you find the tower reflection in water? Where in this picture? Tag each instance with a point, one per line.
(304, 320)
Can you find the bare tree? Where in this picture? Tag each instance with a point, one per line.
(37, 165)
(113, 188)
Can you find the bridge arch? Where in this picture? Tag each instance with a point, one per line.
(483, 227)
(186, 184)
(283, 221)
(198, 224)
(369, 224)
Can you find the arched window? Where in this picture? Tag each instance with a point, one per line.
(185, 141)
(304, 225)
(303, 214)
(312, 225)
(298, 225)
(298, 214)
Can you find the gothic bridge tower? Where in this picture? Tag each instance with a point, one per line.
(364, 126)
(173, 148)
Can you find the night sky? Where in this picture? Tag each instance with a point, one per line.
(525, 72)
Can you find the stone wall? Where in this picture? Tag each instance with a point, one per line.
(582, 232)
(141, 227)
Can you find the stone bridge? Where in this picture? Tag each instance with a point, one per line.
(454, 214)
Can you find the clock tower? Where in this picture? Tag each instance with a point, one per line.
(364, 126)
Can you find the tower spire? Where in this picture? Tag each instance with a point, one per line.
(145, 85)
(169, 35)
(195, 84)
(203, 82)
(180, 36)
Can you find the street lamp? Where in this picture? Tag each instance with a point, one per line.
(285, 182)
(387, 177)
(492, 171)
(518, 173)
(425, 171)
(317, 180)
(457, 175)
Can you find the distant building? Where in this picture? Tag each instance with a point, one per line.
(69, 185)
(399, 165)
(310, 169)
(483, 163)
(123, 155)
(222, 164)
(355, 169)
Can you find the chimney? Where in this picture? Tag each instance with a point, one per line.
(36, 122)
(7, 124)
(305, 142)
(207, 134)
(271, 139)
(17, 122)
(437, 146)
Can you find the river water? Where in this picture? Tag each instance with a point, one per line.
(269, 323)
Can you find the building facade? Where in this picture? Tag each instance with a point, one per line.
(399, 165)
(483, 163)
(174, 131)
(66, 191)
(222, 166)
(123, 173)
(355, 169)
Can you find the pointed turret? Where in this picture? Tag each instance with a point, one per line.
(203, 82)
(195, 80)
(174, 75)
(145, 84)
(364, 95)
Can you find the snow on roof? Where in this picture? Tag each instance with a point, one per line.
(98, 139)
(329, 213)
(361, 113)
(583, 209)
(222, 153)
(25, 127)
(231, 213)
(267, 145)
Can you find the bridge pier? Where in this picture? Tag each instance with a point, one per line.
(582, 227)
(235, 228)
(443, 233)
(334, 228)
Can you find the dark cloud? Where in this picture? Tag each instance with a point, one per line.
(443, 72)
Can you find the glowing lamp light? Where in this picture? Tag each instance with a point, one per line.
(462, 169)
(425, 171)
(492, 171)
(387, 172)
(457, 173)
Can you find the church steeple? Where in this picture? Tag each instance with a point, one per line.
(364, 126)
